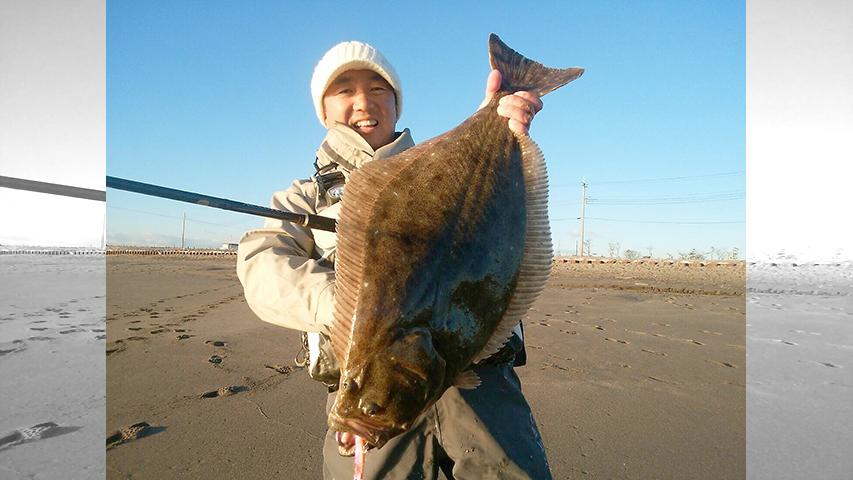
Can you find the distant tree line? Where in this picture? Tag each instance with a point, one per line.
(614, 250)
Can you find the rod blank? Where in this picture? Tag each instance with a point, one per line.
(53, 188)
(311, 221)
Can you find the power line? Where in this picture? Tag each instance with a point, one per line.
(666, 200)
(651, 221)
(179, 218)
(684, 196)
(669, 200)
(671, 179)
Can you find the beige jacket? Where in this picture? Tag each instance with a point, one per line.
(287, 271)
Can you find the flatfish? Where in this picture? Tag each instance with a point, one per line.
(441, 250)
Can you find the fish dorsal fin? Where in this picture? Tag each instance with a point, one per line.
(519, 73)
(357, 206)
(467, 380)
(536, 261)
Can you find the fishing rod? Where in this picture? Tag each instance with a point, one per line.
(306, 220)
(53, 188)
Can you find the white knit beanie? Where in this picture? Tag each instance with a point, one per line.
(351, 56)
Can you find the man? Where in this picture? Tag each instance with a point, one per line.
(288, 275)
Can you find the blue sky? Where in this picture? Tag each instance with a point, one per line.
(214, 97)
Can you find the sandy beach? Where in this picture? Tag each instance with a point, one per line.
(800, 343)
(634, 372)
(52, 366)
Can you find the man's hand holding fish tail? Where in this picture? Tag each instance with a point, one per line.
(417, 323)
(519, 108)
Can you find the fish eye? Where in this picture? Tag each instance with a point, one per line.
(350, 385)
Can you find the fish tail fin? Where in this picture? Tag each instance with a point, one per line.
(519, 73)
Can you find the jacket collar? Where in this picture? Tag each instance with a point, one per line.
(344, 147)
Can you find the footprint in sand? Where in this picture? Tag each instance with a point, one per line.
(217, 343)
(725, 364)
(662, 354)
(625, 342)
(39, 339)
(38, 329)
(215, 359)
(17, 346)
(554, 365)
(70, 330)
(133, 432)
(135, 329)
(661, 380)
(224, 391)
(159, 330)
(599, 327)
(118, 347)
(33, 434)
(183, 336)
(830, 365)
(696, 342)
(282, 369)
(570, 332)
(779, 340)
(545, 324)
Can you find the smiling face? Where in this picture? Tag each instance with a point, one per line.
(366, 102)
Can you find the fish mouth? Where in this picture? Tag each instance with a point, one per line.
(375, 434)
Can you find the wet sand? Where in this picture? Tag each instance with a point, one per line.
(634, 371)
(52, 333)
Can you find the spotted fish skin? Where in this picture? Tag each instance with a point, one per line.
(441, 249)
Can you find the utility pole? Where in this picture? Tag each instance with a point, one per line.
(183, 229)
(583, 204)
